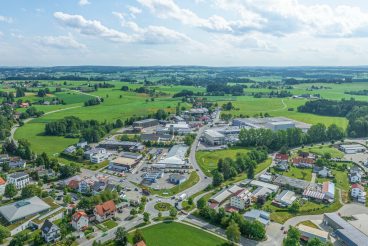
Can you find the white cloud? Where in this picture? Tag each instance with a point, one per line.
(149, 35)
(84, 2)
(6, 19)
(60, 42)
(134, 11)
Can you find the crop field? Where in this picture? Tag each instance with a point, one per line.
(178, 234)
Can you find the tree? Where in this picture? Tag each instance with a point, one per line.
(4, 233)
(190, 200)
(292, 238)
(233, 232)
(201, 203)
(294, 208)
(19, 239)
(218, 178)
(30, 191)
(315, 242)
(335, 132)
(173, 212)
(10, 191)
(138, 236)
(146, 217)
(121, 237)
(67, 199)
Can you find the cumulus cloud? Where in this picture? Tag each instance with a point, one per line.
(134, 11)
(60, 42)
(84, 2)
(148, 35)
(6, 19)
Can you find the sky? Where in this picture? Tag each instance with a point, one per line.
(184, 32)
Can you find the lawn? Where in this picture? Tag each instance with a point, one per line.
(298, 173)
(163, 206)
(207, 160)
(309, 223)
(109, 224)
(178, 234)
(323, 149)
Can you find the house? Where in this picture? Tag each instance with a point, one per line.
(282, 165)
(307, 233)
(358, 192)
(73, 184)
(23, 209)
(17, 163)
(84, 187)
(24, 105)
(355, 175)
(285, 198)
(82, 145)
(98, 186)
(177, 179)
(281, 157)
(323, 172)
(259, 215)
(2, 186)
(70, 150)
(241, 199)
(213, 137)
(266, 177)
(50, 232)
(352, 148)
(98, 158)
(19, 179)
(4, 159)
(302, 162)
(79, 220)
(105, 211)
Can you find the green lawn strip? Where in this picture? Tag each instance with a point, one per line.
(178, 234)
(192, 180)
(308, 223)
(109, 224)
(322, 149)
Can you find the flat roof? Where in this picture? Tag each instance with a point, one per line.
(214, 134)
(313, 231)
(144, 121)
(360, 222)
(352, 146)
(258, 183)
(124, 161)
(293, 182)
(23, 208)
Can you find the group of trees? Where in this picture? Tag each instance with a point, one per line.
(277, 94)
(89, 130)
(228, 168)
(43, 92)
(293, 239)
(93, 101)
(87, 203)
(22, 149)
(160, 114)
(20, 92)
(31, 112)
(6, 122)
(218, 89)
(358, 93)
(292, 81)
(234, 223)
(291, 137)
(355, 111)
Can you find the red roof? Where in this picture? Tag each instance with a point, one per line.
(73, 184)
(105, 207)
(353, 186)
(77, 215)
(298, 160)
(280, 156)
(2, 181)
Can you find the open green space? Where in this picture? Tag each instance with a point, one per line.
(323, 149)
(295, 172)
(72, 97)
(163, 206)
(178, 234)
(109, 224)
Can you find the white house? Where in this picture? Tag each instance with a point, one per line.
(2, 186)
(241, 199)
(98, 158)
(79, 220)
(105, 211)
(19, 179)
(50, 232)
(357, 191)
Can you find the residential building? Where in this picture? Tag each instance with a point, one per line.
(322, 172)
(4, 158)
(259, 215)
(95, 151)
(352, 148)
(70, 150)
(82, 145)
(177, 179)
(355, 177)
(23, 209)
(241, 199)
(285, 198)
(98, 186)
(50, 232)
(303, 162)
(84, 186)
(282, 165)
(17, 163)
(80, 220)
(213, 137)
(105, 211)
(19, 179)
(98, 158)
(344, 231)
(73, 184)
(358, 192)
(266, 177)
(281, 157)
(308, 233)
(2, 186)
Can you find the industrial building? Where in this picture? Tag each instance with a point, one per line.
(273, 123)
(213, 137)
(124, 145)
(352, 148)
(285, 198)
(259, 215)
(145, 123)
(308, 233)
(123, 164)
(175, 158)
(346, 232)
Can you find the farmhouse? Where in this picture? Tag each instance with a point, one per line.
(352, 148)
(19, 179)
(23, 209)
(213, 137)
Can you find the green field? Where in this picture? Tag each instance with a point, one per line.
(298, 173)
(172, 233)
(322, 149)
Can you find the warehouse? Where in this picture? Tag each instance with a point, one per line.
(352, 148)
(145, 123)
(273, 123)
(213, 137)
(175, 158)
(308, 233)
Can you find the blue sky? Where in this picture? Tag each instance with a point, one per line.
(185, 32)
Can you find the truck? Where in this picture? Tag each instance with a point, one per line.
(182, 197)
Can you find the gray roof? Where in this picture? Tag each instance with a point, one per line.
(259, 215)
(17, 175)
(47, 225)
(144, 121)
(23, 208)
(348, 230)
(292, 182)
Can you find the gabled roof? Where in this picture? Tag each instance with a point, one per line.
(73, 184)
(77, 215)
(2, 181)
(358, 186)
(105, 207)
(46, 227)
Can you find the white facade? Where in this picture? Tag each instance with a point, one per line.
(79, 221)
(356, 178)
(98, 158)
(357, 192)
(20, 180)
(352, 148)
(213, 137)
(241, 200)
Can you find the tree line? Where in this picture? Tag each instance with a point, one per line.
(291, 137)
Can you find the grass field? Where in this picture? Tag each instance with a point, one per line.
(322, 149)
(298, 173)
(172, 233)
